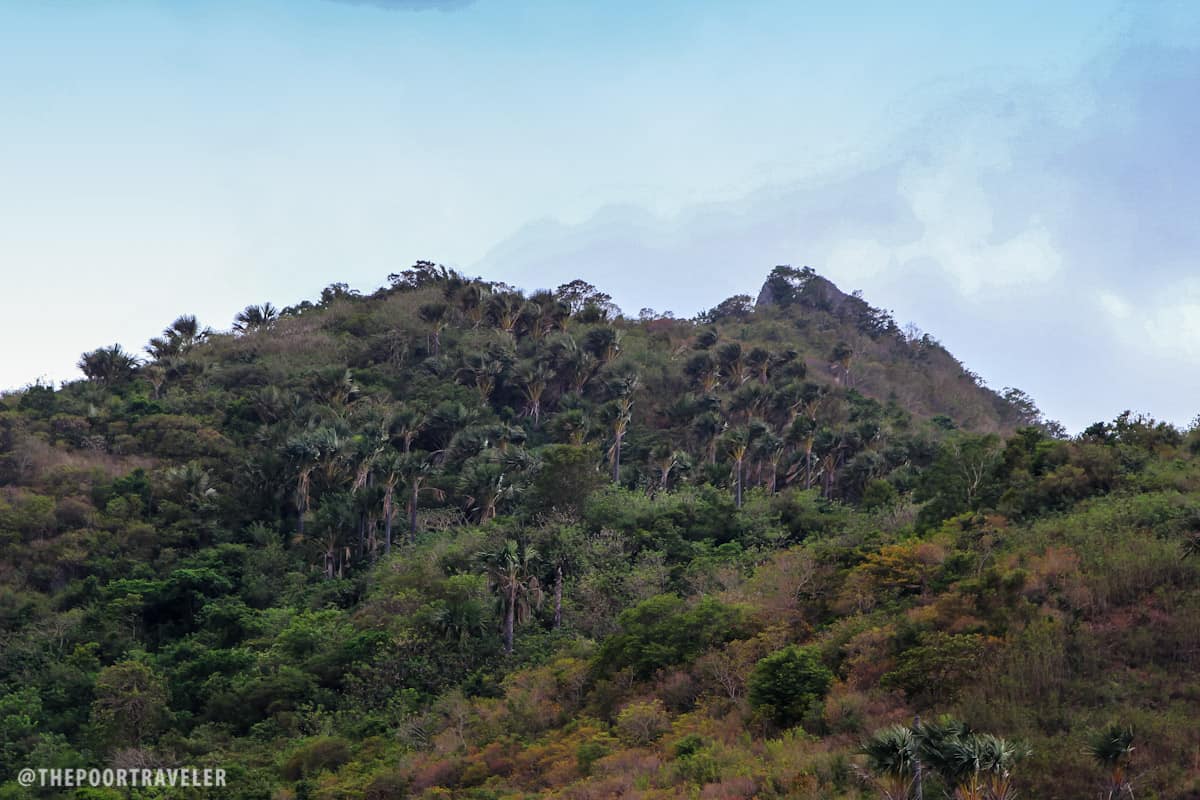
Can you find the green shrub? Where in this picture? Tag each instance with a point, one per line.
(316, 755)
(641, 723)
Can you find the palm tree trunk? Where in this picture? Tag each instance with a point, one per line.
(558, 589)
(510, 612)
(616, 470)
(739, 483)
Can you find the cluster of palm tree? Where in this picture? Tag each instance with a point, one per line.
(970, 765)
(752, 406)
(366, 464)
(900, 761)
(747, 415)
(774, 427)
(113, 366)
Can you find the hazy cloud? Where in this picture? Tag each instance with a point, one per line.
(1001, 223)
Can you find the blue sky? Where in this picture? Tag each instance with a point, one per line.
(1018, 180)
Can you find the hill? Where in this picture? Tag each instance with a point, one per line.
(452, 540)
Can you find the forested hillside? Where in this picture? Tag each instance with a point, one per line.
(455, 540)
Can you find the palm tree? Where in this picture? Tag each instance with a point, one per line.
(364, 453)
(187, 329)
(771, 450)
(980, 766)
(482, 370)
(156, 376)
(573, 363)
(551, 315)
(177, 338)
(416, 468)
(191, 486)
(1191, 545)
(530, 318)
(334, 517)
(665, 459)
(706, 339)
(733, 364)
(484, 484)
(503, 311)
(840, 358)
(510, 573)
(891, 761)
(758, 362)
(803, 431)
(438, 317)
(749, 400)
(738, 442)
(706, 429)
(618, 415)
(320, 448)
(570, 426)
(471, 299)
(336, 387)
(703, 370)
(406, 423)
(534, 377)
(390, 467)
(108, 366)
(996, 758)
(253, 318)
(1112, 749)
(603, 344)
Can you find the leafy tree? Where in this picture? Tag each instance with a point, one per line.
(579, 294)
(130, 704)
(787, 683)
(565, 479)
(663, 630)
(961, 478)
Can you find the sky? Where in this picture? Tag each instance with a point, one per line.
(1019, 180)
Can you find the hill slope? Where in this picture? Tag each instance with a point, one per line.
(451, 540)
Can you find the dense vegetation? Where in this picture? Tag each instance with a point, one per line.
(450, 540)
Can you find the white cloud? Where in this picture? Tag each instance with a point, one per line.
(1115, 306)
(957, 220)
